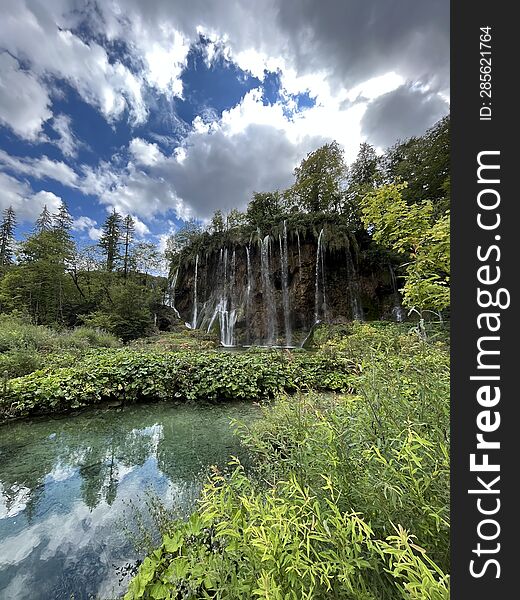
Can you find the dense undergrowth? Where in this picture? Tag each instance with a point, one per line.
(128, 375)
(25, 347)
(349, 496)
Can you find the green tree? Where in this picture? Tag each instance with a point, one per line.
(62, 220)
(412, 231)
(265, 209)
(62, 225)
(110, 239)
(188, 236)
(217, 224)
(147, 260)
(364, 174)
(235, 219)
(45, 221)
(424, 162)
(7, 228)
(126, 312)
(39, 282)
(128, 238)
(320, 180)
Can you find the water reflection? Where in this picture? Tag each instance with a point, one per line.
(65, 484)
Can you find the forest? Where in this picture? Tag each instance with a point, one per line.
(325, 305)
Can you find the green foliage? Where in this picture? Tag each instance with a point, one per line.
(7, 241)
(24, 347)
(133, 375)
(424, 162)
(320, 180)
(349, 497)
(125, 312)
(110, 240)
(265, 209)
(411, 231)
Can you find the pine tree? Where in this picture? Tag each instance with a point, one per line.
(7, 236)
(44, 221)
(63, 220)
(110, 239)
(128, 234)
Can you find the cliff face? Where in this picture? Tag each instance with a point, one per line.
(272, 291)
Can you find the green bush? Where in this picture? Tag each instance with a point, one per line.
(348, 498)
(25, 347)
(132, 375)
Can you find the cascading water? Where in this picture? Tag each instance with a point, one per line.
(320, 300)
(225, 308)
(353, 287)
(171, 293)
(284, 259)
(397, 311)
(252, 296)
(299, 256)
(267, 291)
(195, 300)
(248, 291)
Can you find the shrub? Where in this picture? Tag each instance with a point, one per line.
(129, 375)
(349, 496)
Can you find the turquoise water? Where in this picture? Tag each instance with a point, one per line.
(65, 485)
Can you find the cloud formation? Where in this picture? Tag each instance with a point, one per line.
(373, 71)
(400, 114)
(24, 101)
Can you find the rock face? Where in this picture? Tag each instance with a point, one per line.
(272, 290)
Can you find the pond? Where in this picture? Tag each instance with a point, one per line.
(66, 484)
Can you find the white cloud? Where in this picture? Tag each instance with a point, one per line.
(253, 147)
(24, 101)
(40, 36)
(67, 142)
(39, 168)
(145, 153)
(27, 204)
(84, 223)
(141, 229)
(165, 61)
(355, 59)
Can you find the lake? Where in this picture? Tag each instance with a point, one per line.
(66, 484)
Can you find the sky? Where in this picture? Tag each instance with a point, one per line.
(169, 110)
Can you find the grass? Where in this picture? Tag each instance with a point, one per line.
(25, 347)
(349, 495)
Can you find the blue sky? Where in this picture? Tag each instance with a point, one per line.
(169, 112)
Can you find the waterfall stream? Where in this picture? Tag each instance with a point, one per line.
(171, 293)
(248, 292)
(320, 300)
(267, 291)
(299, 256)
(397, 311)
(195, 305)
(353, 287)
(284, 259)
(255, 297)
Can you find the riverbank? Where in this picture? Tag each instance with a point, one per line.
(128, 375)
(349, 495)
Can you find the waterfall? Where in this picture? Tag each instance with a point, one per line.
(284, 260)
(225, 308)
(227, 315)
(248, 291)
(299, 255)
(267, 291)
(397, 311)
(171, 293)
(320, 268)
(194, 318)
(353, 287)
